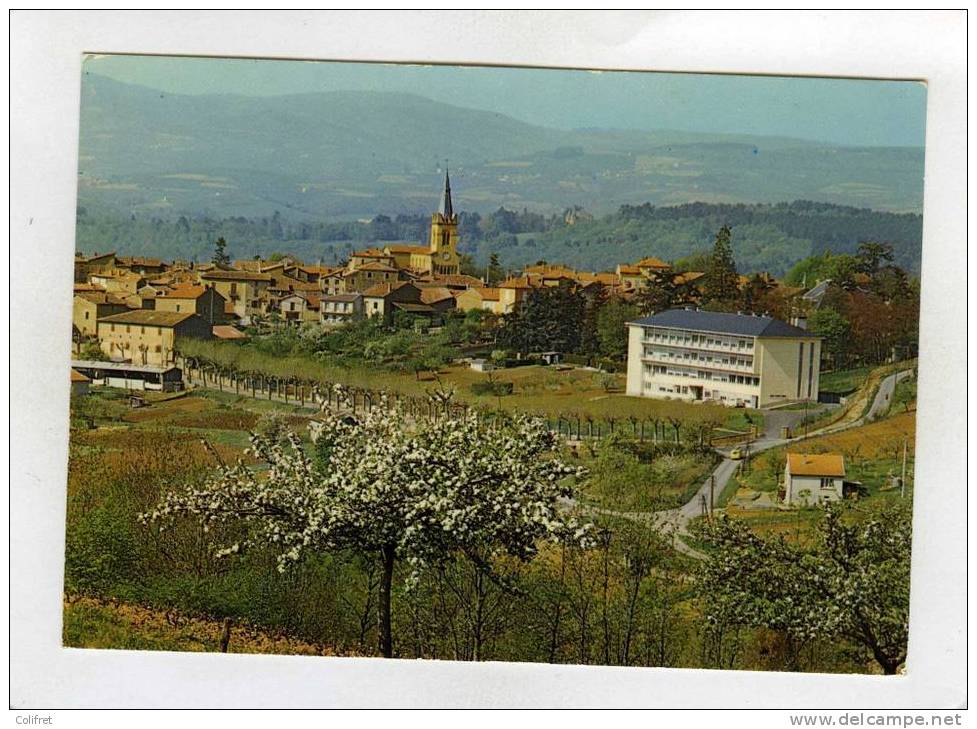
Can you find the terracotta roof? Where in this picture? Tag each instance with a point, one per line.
(383, 289)
(100, 297)
(369, 253)
(488, 293)
(806, 464)
(223, 275)
(321, 270)
(625, 270)
(454, 279)
(652, 262)
(184, 291)
(689, 277)
(246, 265)
(224, 331)
(433, 294)
(77, 376)
(149, 317)
(407, 249)
(138, 261)
(376, 266)
(82, 258)
(341, 297)
(516, 283)
(549, 269)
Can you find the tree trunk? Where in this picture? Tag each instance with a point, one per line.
(388, 553)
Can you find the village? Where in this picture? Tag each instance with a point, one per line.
(421, 383)
(131, 315)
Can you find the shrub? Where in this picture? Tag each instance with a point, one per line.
(496, 389)
(577, 359)
(100, 550)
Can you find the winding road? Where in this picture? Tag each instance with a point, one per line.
(677, 520)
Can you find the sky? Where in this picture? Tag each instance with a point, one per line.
(839, 111)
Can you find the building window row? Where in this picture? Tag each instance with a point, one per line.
(727, 361)
(695, 339)
(749, 380)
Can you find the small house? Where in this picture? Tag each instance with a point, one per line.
(79, 383)
(811, 479)
(482, 365)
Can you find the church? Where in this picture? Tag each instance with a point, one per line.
(440, 256)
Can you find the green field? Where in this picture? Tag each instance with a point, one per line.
(843, 382)
(568, 392)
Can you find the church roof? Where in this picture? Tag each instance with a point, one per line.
(444, 207)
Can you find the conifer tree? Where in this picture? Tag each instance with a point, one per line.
(721, 285)
(220, 253)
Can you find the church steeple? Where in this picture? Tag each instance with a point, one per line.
(444, 235)
(444, 207)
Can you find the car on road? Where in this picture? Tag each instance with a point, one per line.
(736, 454)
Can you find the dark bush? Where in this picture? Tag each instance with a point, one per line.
(496, 389)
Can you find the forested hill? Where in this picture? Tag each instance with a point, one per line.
(765, 237)
(354, 154)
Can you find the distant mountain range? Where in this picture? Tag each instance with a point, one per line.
(356, 154)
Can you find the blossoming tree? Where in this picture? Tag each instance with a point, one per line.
(851, 583)
(403, 490)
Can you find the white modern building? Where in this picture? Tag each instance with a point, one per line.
(734, 359)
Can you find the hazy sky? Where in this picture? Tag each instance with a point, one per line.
(842, 111)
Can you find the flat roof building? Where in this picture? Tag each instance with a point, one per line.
(735, 359)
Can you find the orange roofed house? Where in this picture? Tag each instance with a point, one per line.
(811, 479)
(242, 290)
(147, 337)
(202, 300)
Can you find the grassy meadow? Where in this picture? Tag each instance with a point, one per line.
(552, 391)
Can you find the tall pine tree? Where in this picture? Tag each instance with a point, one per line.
(221, 258)
(720, 288)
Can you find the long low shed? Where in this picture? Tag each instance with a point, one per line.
(130, 376)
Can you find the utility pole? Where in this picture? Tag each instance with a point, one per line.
(905, 448)
(712, 491)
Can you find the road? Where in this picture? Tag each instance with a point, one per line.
(677, 520)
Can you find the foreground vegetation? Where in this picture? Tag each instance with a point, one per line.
(625, 597)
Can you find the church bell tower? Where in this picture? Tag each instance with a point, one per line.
(444, 234)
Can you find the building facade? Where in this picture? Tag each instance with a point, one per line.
(201, 300)
(340, 309)
(739, 359)
(242, 290)
(89, 307)
(148, 337)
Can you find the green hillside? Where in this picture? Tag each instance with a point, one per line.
(356, 154)
(765, 237)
